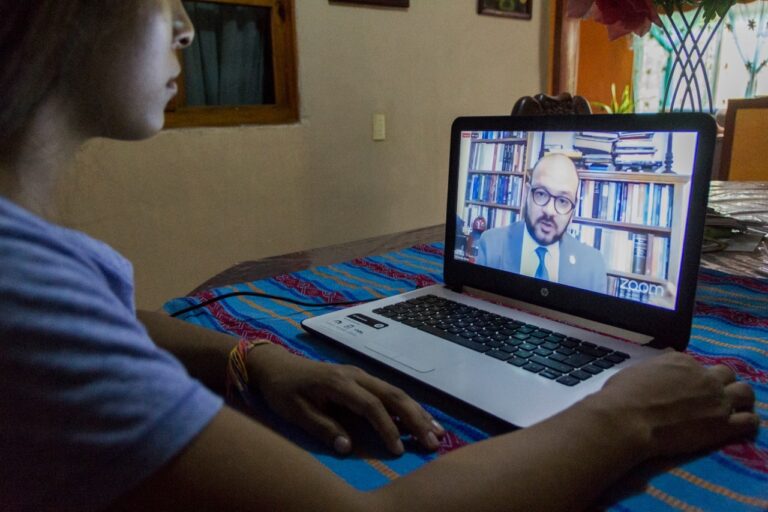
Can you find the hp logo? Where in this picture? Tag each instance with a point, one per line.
(544, 292)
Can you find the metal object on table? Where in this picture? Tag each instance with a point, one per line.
(746, 201)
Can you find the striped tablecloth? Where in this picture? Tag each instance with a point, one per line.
(730, 327)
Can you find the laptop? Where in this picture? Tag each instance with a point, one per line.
(572, 248)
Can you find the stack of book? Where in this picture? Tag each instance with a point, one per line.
(597, 149)
(617, 151)
(636, 151)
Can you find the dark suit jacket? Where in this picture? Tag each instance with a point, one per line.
(581, 266)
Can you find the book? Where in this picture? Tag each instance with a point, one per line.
(570, 153)
(639, 253)
(591, 145)
(635, 151)
(635, 158)
(635, 135)
(601, 135)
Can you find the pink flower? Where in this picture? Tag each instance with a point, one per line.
(620, 16)
(579, 8)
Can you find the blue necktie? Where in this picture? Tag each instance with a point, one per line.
(541, 270)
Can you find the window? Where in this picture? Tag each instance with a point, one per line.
(736, 59)
(241, 68)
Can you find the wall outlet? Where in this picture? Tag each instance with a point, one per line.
(379, 127)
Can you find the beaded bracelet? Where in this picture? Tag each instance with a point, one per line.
(237, 373)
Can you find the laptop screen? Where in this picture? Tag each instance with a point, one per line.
(603, 211)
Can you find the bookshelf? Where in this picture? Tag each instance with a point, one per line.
(494, 173)
(628, 217)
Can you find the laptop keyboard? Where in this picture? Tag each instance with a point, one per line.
(551, 355)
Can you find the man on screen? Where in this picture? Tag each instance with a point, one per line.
(539, 246)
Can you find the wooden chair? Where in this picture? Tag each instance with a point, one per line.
(541, 104)
(744, 154)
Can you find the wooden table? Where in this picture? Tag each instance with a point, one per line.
(284, 264)
(747, 201)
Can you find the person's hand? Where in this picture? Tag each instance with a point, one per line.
(305, 392)
(680, 406)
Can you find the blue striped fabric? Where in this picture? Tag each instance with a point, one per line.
(730, 327)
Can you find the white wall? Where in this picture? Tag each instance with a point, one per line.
(191, 202)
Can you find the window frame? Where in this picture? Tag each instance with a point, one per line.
(284, 67)
(563, 57)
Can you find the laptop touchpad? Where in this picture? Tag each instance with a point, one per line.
(404, 354)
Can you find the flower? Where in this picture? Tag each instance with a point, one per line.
(620, 16)
(636, 16)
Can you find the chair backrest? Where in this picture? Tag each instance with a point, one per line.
(744, 155)
(541, 104)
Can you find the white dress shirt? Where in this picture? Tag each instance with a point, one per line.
(529, 260)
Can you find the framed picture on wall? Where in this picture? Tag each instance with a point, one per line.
(382, 3)
(507, 8)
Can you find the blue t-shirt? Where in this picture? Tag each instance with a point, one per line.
(89, 405)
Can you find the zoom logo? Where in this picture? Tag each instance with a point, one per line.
(630, 285)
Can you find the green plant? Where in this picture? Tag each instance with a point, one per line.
(623, 105)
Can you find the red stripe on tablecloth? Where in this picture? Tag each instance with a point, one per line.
(428, 249)
(308, 289)
(450, 442)
(747, 282)
(742, 368)
(238, 327)
(749, 455)
(421, 280)
(730, 315)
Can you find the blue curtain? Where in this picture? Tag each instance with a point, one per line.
(230, 61)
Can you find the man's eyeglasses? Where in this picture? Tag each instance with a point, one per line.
(541, 197)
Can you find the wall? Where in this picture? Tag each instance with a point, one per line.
(192, 202)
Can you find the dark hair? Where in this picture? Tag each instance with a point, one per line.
(41, 42)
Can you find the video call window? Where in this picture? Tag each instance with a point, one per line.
(602, 211)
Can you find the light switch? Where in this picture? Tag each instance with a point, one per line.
(379, 127)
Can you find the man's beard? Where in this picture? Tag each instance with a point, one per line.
(530, 226)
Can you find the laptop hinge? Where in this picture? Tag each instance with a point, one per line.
(635, 337)
(458, 288)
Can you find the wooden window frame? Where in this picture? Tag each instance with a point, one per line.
(284, 65)
(564, 49)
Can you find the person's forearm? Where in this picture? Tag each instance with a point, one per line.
(666, 406)
(561, 464)
(202, 351)
(540, 468)
(558, 465)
